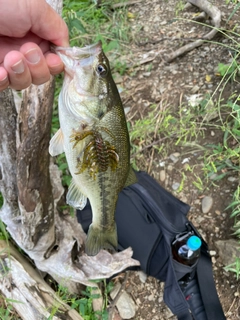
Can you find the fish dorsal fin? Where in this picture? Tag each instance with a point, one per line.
(75, 197)
(56, 144)
(131, 179)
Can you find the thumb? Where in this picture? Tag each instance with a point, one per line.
(47, 23)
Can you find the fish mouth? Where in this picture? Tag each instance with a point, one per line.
(79, 53)
(73, 57)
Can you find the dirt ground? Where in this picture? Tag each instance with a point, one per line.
(157, 33)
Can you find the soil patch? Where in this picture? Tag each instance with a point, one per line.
(150, 80)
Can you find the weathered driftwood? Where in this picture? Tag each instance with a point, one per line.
(31, 187)
(214, 13)
(29, 294)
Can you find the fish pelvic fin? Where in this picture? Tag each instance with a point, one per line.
(98, 239)
(56, 144)
(131, 179)
(75, 198)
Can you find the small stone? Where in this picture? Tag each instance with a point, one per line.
(184, 199)
(176, 154)
(218, 212)
(151, 297)
(199, 219)
(163, 23)
(173, 158)
(146, 74)
(162, 175)
(195, 89)
(175, 185)
(125, 304)
(170, 167)
(212, 253)
(207, 203)
(197, 201)
(228, 250)
(142, 276)
(185, 160)
(232, 179)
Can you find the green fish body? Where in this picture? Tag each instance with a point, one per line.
(93, 134)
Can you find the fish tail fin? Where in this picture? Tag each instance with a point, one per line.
(98, 239)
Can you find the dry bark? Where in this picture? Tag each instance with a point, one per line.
(214, 13)
(31, 187)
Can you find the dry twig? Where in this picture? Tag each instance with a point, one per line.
(214, 13)
(123, 4)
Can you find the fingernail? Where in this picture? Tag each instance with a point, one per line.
(18, 67)
(4, 80)
(32, 56)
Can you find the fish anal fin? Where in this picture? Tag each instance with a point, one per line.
(56, 144)
(75, 197)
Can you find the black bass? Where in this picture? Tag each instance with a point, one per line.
(93, 134)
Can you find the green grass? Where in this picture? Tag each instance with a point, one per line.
(83, 303)
(6, 309)
(235, 268)
(88, 23)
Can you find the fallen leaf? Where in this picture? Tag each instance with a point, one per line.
(208, 78)
(130, 15)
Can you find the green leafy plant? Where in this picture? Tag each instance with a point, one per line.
(226, 69)
(6, 309)
(234, 267)
(84, 303)
(88, 23)
(235, 208)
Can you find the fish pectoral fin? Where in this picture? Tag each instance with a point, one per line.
(131, 179)
(98, 239)
(56, 144)
(75, 197)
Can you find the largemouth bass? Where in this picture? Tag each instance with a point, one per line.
(94, 136)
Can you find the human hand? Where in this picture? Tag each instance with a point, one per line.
(27, 29)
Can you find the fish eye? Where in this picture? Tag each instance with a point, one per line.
(102, 70)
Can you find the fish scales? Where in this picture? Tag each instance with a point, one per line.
(93, 134)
